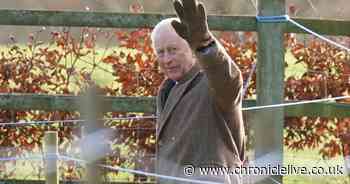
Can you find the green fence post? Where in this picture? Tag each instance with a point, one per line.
(268, 123)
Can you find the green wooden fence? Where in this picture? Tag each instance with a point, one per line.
(68, 103)
(128, 20)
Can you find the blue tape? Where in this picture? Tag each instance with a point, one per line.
(272, 19)
(286, 18)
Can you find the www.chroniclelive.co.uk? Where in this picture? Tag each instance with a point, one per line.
(266, 170)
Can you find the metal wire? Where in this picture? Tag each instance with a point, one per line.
(27, 123)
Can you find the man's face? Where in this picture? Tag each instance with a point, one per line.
(173, 54)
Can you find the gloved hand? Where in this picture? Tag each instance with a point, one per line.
(193, 26)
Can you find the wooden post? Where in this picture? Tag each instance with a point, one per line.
(268, 123)
(91, 111)
(51, 153)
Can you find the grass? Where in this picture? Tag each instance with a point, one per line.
(310, 158)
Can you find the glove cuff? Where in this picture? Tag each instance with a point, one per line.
(203, 49)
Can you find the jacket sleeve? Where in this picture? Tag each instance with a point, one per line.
(225, 79)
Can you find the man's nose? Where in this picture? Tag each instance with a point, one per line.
(168, 57)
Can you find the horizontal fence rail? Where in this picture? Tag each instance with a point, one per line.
(68, 103)
(146, 20)
(148, 105)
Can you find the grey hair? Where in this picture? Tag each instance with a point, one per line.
(163, 24)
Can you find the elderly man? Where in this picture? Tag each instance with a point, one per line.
(199, 103)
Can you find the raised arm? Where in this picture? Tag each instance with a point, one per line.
(224, 76)
(225, 79)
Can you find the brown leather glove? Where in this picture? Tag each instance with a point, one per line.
(193, 26)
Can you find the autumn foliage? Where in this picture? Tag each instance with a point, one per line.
(328, 75)
(52, 68)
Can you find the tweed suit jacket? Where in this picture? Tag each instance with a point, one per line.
(199, 117)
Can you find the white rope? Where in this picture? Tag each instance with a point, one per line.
(316, 34)
(294, 103)
(116, 168)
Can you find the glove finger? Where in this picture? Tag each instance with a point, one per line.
(190, 9)
(181, 29)
(201, 12)
(202, 16)
(190, 4)
(179, 10)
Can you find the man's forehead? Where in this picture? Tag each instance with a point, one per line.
(167, 38)
(165, 31)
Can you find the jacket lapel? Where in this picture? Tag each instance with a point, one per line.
(175, 98)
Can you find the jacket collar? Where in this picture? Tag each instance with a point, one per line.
(183, 84)
(190, 74)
